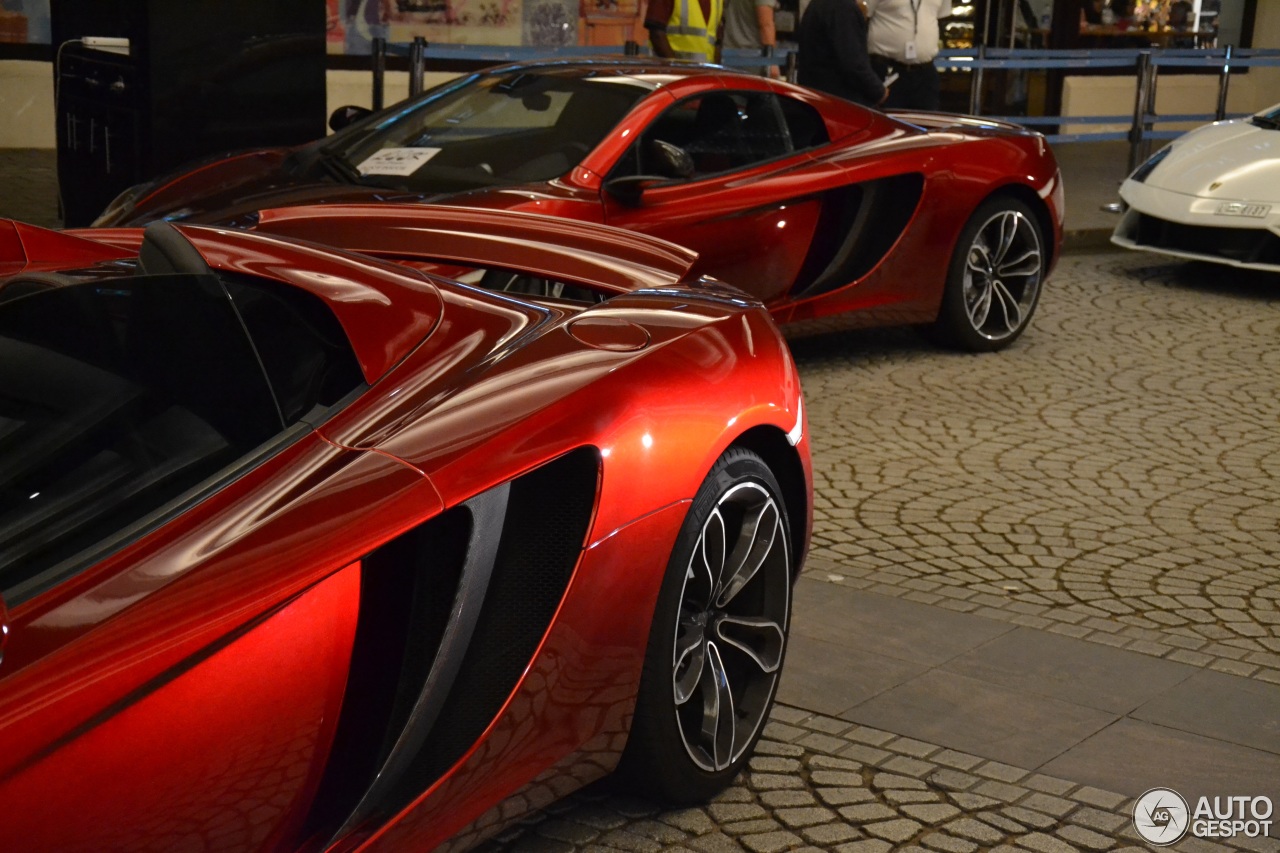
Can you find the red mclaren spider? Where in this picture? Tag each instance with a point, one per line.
(831, 214)
(305, 550)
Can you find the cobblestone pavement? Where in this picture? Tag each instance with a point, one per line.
(818, 783)
(1114, 476)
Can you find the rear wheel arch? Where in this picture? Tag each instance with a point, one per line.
(1031, 199)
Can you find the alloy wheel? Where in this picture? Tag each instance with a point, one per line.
(732, 624)
(1002, 275)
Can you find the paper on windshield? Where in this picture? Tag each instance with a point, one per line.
(397, 161)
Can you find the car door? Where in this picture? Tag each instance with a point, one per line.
(176, 649)
(747, 206)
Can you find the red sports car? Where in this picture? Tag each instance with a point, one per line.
(831, 214)
(304, 550)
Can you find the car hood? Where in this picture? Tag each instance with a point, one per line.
(235, 199)
(234, 191)
(1229, 160)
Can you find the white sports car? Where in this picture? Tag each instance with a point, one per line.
(1212, 194)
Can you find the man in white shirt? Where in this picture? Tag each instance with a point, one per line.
(903, 39)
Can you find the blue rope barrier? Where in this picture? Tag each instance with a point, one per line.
(1030, 59)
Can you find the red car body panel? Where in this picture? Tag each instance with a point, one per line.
(756, 227)
(186, 688)
(600, 257)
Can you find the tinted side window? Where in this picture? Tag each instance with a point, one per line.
(804, 123)
(303, 348)
(115, 398)
(721, 131)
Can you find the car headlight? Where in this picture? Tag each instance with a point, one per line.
(1141, 173)
(121, 206)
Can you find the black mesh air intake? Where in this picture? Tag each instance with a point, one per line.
(548, 513)
(1248, 245)
(407, 588)
(857, 227)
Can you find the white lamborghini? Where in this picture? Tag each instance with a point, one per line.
(1212, 194)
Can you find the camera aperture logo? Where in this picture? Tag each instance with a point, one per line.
(1162, 817)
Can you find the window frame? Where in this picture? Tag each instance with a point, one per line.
(780, 116)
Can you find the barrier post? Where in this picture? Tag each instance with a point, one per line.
(417, 65)
(1224, 80)
(975, 82)
(378, 59)
(1139, 108)
(766, 53)
(793, 67)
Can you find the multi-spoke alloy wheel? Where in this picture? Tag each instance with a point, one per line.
(719, 635)
(732, 627)
(995, 277)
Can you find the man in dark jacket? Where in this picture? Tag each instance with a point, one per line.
(833, 52)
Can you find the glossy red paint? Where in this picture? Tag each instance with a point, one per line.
(769, 228)
(384, 310)
(567, 722)
(600, 257)
(225, 750)
(185, 689)
(26, 248)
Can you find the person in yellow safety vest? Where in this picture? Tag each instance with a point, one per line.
(685, 29)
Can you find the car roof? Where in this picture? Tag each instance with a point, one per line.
(646, 71)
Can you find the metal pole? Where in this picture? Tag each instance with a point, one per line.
(1013, 24)
(1152, 97)
(986, 23)
(1224, 81)
(417, 65)
(793, 66)
(766, 52)
(1139, 108)
(378, 58)
(975, 82)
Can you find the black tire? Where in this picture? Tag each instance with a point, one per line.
(993, 285)
(668, 756)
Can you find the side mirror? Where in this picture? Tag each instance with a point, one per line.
(629, 189)
(347, 115)
(671, 161)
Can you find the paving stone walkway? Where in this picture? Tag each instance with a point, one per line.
(1115, 475)
(819, 783)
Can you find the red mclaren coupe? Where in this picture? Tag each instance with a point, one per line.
(831, 214)
(305, 550)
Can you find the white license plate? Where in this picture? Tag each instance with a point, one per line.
(1239, 208)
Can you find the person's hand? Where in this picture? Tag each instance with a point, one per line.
(775, 73)
(883, 98)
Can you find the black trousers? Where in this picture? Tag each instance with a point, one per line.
(916, 87)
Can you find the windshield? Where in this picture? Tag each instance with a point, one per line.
(498, 130)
